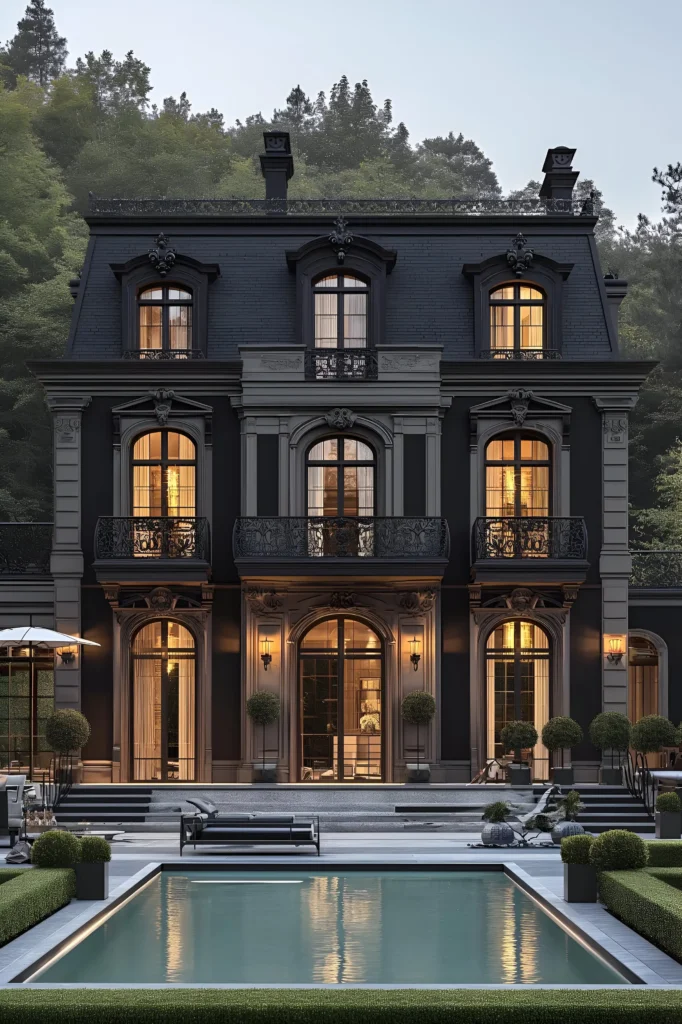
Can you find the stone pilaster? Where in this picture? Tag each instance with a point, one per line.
(66, 561)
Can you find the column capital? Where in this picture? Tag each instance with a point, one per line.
(615, 403)
(68, 403)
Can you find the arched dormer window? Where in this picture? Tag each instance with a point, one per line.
(517, 321)
(165, 320)
(340, 327)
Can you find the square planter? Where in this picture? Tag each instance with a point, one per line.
(265, 773)
(610, 777)
(562, 776)
(668, 824)
(580, 883)
(519, 775)
(418, 772)
(92, 881)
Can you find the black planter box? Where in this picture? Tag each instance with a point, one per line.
(92, 881)
(519, 775)
(562, 776)
(668, 824)
(265, 774)
(418, 772)
(611, 777)
(580, 883)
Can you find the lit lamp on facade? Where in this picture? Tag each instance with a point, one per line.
(414, 645)
(67, 654)
(265, 655)
(614, 647)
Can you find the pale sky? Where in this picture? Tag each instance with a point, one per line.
(600, 76)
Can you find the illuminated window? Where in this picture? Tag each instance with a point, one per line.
(341, 478)
(164, 475)
(340, 312)
(165, 318)
(517, 475)
(517, 319)
(26, 702)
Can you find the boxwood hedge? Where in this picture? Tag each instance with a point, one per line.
(664, 853)
(367, 1006)
(31, 894)
(647, 903)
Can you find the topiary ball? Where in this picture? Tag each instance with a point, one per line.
(669, 802)
(55, 850)
(576, 849)
(94, 850)
(618, 850)
(418, 707)
(561, 732)
(262, 707)
(66, 730)
(652, 732)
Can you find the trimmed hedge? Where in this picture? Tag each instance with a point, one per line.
(618, 850)
(356, 1006)
(664, 853)
(649, 905)
(29, 895)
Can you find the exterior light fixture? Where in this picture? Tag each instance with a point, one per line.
(414, 645)
(67, 655)
(265, 655)
(614, 647)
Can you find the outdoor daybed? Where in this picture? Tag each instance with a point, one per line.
(208, 826)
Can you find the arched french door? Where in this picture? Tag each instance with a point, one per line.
(341, 702)
(643, 681)
(164, 703)
(517, 685)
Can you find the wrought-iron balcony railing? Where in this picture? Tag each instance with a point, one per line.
(527, 354)
(163, 353)
(659, 569)
(152, 537)
(530, 537)
(396, 537)
(25, 549)
(341, 364)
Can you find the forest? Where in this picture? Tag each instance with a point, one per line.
(68, 128)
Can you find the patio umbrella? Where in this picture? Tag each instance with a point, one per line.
(39, 636)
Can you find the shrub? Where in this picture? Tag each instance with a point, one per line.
(618, 850)
(611, 730)
(570, 806)
(669, 802)
(262, 707)
(94, 850)
(664, 853)
(418, 708)
(653, 732)
(561, 732)
(496, 812)
(650, 906)
(66, 731)
(29, 896)
(518, 736)
(55, 850)
(576, 849)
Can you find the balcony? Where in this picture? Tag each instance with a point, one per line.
(25, 549)
(657, 570)
(341, 364)
(163, 353)
(154, 548)
(532, 354)
(525, 549)
(323, 545)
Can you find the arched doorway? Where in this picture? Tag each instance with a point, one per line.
(643, 678)
(517, 685)
(341, 702)
(164, 703)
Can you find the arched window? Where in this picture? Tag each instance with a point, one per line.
(164, 699)
(517, 674)
(164, 475)
(341, 317)
(165, 320)
(517, 476)
(517, 322)
(341, 483)
(341, 702)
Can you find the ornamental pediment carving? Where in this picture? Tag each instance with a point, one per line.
(161, 405)
(518, 406)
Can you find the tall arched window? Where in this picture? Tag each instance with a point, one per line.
(164, 475)
(341, 483)
(517, 674)
(517, 476)
(517, 321)
(340, 329)
(164, 699)
(165, 319)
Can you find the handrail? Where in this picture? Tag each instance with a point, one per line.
(639, 782)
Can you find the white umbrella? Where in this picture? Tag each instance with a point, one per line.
(39, 636)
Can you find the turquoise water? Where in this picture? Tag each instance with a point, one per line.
(409, 927)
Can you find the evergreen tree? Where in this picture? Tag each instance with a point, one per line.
(37, 50)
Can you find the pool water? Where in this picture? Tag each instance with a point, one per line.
(382, 927)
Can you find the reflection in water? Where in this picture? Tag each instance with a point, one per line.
(390, 927)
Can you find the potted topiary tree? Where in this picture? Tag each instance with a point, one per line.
(496, 831)
(651, 733)
(262, 707)
(580, 876)
(66, 731)
(92, 869)
(55, 849)
(519, 736)
(668, 816)
(561, 733)
(418, 708)
(610, 731)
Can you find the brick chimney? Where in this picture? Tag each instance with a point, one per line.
(616, 290)
(277, 164)
(559, 175)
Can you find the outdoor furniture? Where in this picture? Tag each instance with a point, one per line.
(249, 830)
(12, 806)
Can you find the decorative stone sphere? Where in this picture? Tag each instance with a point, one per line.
(497, 833)
(566, 828)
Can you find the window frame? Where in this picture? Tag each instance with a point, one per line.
(517, 462)
(516, 303)
(341, 273)
(165, 303)
(164, 462)
(340, 463)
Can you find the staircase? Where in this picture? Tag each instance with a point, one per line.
(613, 807)
(105, 804)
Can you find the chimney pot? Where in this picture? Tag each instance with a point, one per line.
(277, 164)
(559, 177)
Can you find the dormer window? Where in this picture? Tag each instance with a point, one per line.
(165, 322)
(517, 322)
(340, 312)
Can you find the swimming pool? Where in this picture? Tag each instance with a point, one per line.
(330, 927)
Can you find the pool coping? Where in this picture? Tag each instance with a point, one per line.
(635, 970)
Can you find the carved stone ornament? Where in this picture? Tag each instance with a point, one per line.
(405, 362)
(341, 600)
(341, 238)
(520, 257)
(616, 429)
(521, 600)
(162, 257)
(263, 602)
(163, 400)
(282, 364)
(160, 600)
(417, 600)
(340, 419)
(66, 428)
(519, 399)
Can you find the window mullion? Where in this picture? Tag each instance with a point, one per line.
(340, 340)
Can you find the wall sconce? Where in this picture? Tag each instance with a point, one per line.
(414, 645)
(614, 648)
(265, 655)
(67, 655)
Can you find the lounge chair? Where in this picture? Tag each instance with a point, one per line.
(248, 830)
